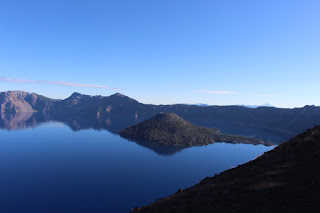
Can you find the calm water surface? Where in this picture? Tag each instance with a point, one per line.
(51, 168)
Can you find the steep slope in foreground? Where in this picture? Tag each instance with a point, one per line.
(285, 179)
(170, 129)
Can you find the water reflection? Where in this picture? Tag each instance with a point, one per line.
(159, 149)
(115, 124)
(18, 121)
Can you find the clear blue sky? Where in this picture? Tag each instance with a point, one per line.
(164, 51)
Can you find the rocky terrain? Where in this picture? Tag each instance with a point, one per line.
(170, 129)
(285, 179)
(18, 101)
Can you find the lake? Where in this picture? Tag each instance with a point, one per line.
(49, 167)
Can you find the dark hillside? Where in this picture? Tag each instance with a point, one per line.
(286, 179)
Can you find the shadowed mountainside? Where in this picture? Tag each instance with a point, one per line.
(285, 179)
(170, 129)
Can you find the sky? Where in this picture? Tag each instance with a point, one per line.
(218, 52)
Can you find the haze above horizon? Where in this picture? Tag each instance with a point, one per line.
(164, 52)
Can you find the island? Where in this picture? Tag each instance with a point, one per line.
(170, 129)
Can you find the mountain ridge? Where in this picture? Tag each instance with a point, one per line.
(119, 106)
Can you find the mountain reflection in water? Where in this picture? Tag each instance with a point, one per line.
(78, 122)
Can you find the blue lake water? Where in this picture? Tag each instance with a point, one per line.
(51, 168)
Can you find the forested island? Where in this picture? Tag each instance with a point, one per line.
(170, 129)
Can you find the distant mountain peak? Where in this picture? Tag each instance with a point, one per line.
(76, 94)
(119, 95)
